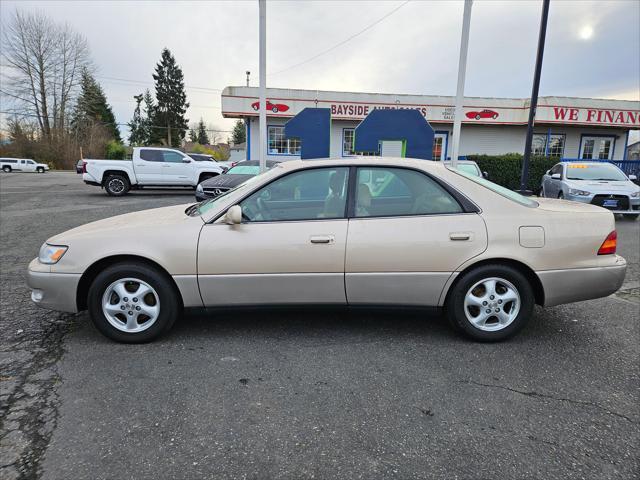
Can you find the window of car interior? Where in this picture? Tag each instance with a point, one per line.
(389, 191)
(557, 169)
(151, 155)
(314, 194)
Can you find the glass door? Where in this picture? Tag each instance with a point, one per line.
(597, 148)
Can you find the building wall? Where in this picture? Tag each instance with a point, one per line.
(476, 139)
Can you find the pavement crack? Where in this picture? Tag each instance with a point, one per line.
(535, 394)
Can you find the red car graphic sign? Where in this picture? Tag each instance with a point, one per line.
(274, 107)
(483, 114)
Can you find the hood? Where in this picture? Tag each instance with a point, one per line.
(557, 205)
(226, 181)
(604, 186)
(165, 217)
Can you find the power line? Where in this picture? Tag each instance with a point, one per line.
(143, 82)
(368, 27)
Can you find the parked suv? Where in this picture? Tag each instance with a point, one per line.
(22, 165)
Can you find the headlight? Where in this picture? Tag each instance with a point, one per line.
(581, 193)
(51, 254)
(199, 188)
(636, 194)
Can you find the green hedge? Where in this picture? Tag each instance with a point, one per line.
(506, 169)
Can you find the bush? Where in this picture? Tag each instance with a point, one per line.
(115, 150)
(506, 169)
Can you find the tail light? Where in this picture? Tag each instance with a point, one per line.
(608, 247)
(84, 167)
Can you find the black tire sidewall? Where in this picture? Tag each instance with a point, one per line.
(455, 302)
(127, 185)
(170, 306)
(6, 169)
(40, 170)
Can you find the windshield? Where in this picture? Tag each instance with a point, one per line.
(244, 170)
(505, 192)
(589, 171)
(210, 204)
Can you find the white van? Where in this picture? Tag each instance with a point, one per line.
(22, 165)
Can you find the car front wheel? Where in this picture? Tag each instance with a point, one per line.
(40, 170)
(490, 303)
(133, 303)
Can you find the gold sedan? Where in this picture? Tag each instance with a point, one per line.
(361, 231)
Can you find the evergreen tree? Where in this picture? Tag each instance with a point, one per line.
(151, 135)
(203, 138)
(239, 134)
(92, 108)
(137, 135)
(171, 100)
(193, 136)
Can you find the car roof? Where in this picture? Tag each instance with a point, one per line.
(362, 160)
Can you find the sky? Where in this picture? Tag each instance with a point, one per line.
(592, 48)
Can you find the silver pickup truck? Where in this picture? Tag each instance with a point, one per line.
(149, 167)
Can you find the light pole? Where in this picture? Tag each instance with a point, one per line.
(524, 178)
(262, 119)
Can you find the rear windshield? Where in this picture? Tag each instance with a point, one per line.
(505, 192)
(589, 171)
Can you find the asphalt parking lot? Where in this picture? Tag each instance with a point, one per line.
(305, 393)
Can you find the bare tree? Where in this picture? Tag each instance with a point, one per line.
(43, 63)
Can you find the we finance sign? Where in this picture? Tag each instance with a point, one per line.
(588, 116)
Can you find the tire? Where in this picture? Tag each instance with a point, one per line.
(495, 115)
(472, 288)
(117, 185)
(631, 216)
(40, 170)
(477, 117)
(274, 109)
(561, 195)
(6, 169)
(157, 310)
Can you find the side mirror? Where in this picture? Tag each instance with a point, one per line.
(233, 215)
(186, 160)
(485, 175)
(556, 176)
(632, 177)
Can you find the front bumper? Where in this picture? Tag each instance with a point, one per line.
(54, 291)
(202, 196)
(578, 284)
(633, 202)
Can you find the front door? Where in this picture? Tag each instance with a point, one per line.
(176, 168)
(406, 238)
(148, 166)
(597, 148)
(289, 249)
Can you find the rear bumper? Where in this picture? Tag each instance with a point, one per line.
(576, 285)
(54, 291)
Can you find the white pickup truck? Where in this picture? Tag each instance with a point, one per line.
(149, 167)
(22, 165)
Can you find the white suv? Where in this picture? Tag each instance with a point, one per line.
(22, 165)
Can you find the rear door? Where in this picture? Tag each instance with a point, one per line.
(148, 166)
(407, 234)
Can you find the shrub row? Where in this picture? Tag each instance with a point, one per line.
(506, 169)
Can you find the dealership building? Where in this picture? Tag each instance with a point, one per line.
(566, 127)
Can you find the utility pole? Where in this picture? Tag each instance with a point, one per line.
(524, 178)
(262, 5)
(462, 70)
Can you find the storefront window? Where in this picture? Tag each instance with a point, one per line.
(555, 148)
(277, 144)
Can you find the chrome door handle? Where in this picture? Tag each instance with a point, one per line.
(322, 239)
(459, 236)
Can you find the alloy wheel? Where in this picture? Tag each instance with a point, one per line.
(130, 305)
(492, 304)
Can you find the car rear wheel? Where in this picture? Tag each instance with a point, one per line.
(490, 303)
(117, 185)
(133, 303)
(6, 169)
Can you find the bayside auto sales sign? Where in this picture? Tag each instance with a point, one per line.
(242, 101)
